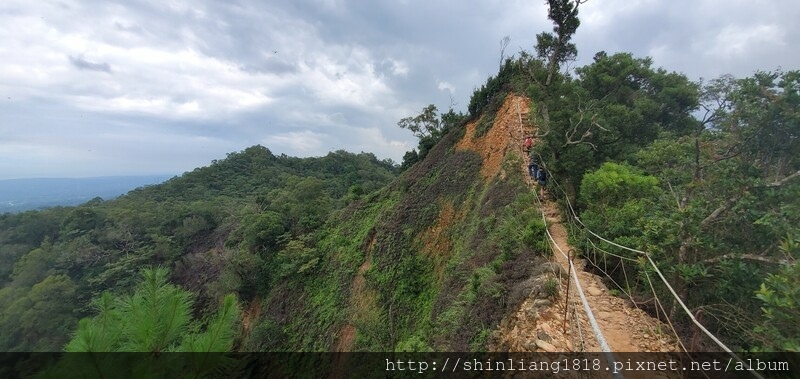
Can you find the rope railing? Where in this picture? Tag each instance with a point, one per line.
(657, 301)
(663, 279)
(587, 309)
(649, 260)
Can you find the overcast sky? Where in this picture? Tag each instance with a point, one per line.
(93, 88)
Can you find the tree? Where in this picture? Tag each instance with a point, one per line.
(424, 125)
(617, 105)
(616, 199)
(409, 158)
(263, 230)
(728, 196)
(34, 266)
(156, 318)
(48, 320)
(780, 295)
(557, 48)
(552, 50)
(39, 318)
(503, 44)
(429, 127)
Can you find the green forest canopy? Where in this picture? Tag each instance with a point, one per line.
(704, 176)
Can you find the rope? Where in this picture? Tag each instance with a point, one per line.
(659, 306)
(589, 314)
(630, 297)
(612, 279)
(666, 283)
(611, 254)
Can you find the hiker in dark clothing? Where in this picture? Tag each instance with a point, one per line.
(542, 178)
(533, 168)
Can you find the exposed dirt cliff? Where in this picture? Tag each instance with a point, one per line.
(541, 322)
(439, 261)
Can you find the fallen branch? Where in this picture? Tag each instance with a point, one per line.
(752, 257)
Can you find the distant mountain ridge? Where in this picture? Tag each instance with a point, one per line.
(19, 195)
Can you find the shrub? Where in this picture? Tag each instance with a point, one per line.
(551, 288)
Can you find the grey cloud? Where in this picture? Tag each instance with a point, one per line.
(270, 65)
(684, 35)
(136, 29)
(83, 64)
(217, 59)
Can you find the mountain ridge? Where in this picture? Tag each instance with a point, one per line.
(18, 195)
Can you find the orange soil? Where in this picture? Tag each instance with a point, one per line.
(624, 327)
(505, 134)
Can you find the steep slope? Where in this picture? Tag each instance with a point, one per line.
(452, 256)
(432, 262)
(541, 324)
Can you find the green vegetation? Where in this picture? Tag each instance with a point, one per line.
(155, 318)
(343, 252)
(237, 226)
(703, 176)
(712, 200)
(779, 294)
(415, 296)
(430, 129)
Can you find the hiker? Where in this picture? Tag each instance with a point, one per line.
(542, 178)
(527, 144)
(533, 168)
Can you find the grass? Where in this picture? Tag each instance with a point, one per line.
(413, 309)
(551, 288)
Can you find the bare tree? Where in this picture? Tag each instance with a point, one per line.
(503, 44)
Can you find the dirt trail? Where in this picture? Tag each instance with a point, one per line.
(624, 327)
(539, 324)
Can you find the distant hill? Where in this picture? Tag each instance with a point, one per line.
(452, 251)
(238, 225)
(19, 195)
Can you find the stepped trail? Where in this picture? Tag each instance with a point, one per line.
(539, 323)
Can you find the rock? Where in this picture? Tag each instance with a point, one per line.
(533, 315)
(546, 346)
(603, 315)
(594, 291)
(543, 336)
(541, 303)
(550, 267)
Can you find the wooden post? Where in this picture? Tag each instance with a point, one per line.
(566, 295)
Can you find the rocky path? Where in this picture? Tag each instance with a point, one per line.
(625, 327)
(562, 324)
